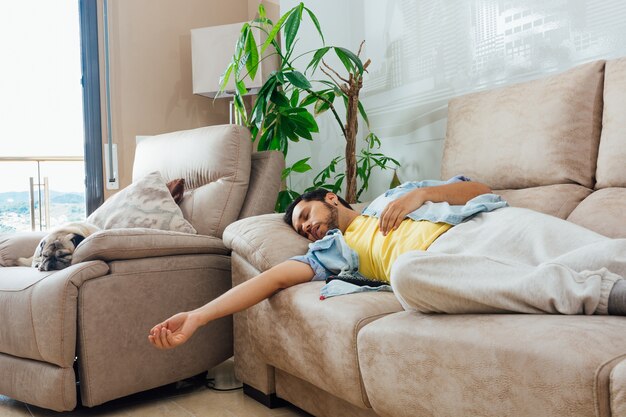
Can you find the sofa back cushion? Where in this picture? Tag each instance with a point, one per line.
(611, 170)
(531, 134)
(214, 161)
(603, 212)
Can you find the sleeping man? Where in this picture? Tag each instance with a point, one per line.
(445, 247)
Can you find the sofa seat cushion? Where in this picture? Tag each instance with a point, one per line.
(540, 132)
(39, 311)
(557, 200)
(603, 212)
(316, 340)
(490, 365)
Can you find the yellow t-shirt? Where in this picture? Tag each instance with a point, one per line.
(377, 253)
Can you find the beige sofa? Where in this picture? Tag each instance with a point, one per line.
(556, 145)
(90, 322)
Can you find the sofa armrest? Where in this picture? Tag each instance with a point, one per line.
(136, 243)
(264, 241)
(18, 245)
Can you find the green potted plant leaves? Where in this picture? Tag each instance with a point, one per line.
(280, 113)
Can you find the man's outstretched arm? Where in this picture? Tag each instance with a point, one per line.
(457, 193)
(178, 329)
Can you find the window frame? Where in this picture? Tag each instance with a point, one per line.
(92, 116)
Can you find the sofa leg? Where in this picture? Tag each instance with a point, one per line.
(268, 400)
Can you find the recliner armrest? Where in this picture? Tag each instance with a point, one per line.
(264, 241)
(18, 245)
(137, 243)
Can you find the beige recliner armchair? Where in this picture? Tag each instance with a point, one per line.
(89, 322)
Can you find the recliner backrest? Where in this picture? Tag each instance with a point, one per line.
(215, 162)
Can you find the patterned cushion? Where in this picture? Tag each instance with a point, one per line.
(145, 203)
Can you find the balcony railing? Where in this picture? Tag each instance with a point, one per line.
(40, 175)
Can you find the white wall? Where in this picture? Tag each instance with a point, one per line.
(425, 52)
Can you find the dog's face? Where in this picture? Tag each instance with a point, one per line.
(55, 251)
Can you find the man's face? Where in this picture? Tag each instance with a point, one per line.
(312, 219)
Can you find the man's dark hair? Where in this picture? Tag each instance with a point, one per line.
(314, 195)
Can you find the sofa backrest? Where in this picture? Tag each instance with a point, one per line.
(611, 170)
(265, 182)
(215, 163)
(603, 211)
(542, 144)
(531, 134)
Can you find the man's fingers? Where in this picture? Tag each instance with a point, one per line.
(396, 222)
(387, 218)
(163, 338)
(171, 340)
(151, 339)
(391, 219)
(155, 341)
(381, 221)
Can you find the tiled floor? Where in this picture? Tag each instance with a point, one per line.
(184, 400)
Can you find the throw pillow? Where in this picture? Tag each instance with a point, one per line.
(177, 189)
(145, 203)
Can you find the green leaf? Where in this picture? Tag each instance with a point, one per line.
(262, 14)
(262, 20)
(321, 106)
(315, 22)
(241, 87)
(275, 142)
(303, 132)
(289, 129)
(305, 119)
(295, 96)
(291, 29)
(276, 29)
(241, 63)
(226, 76)
(254, 131)
(240, 108)
(363, 114)
(344, 59)
(349, 59)
(265, 140)
(285, 197)
(253, 54)
(337, 185)
(301, 166)
(310, 99)
(285, 173)
(298, 80)
(258, 110)
(317, 58)
(280, 99)
(242, 39)
(324, 103)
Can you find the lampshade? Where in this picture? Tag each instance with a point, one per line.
(212, 49)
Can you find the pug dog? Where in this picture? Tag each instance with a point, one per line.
(55, 250)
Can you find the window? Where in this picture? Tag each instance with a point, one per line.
(43, 136)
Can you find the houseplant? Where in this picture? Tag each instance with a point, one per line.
(281, 112)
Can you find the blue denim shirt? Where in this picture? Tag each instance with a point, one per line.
(331, 255)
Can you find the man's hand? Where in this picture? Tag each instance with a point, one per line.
(396, 211)
(179, 328)
(458, 193)
(174, 331)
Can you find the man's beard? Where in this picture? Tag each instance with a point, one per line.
(332, 221)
